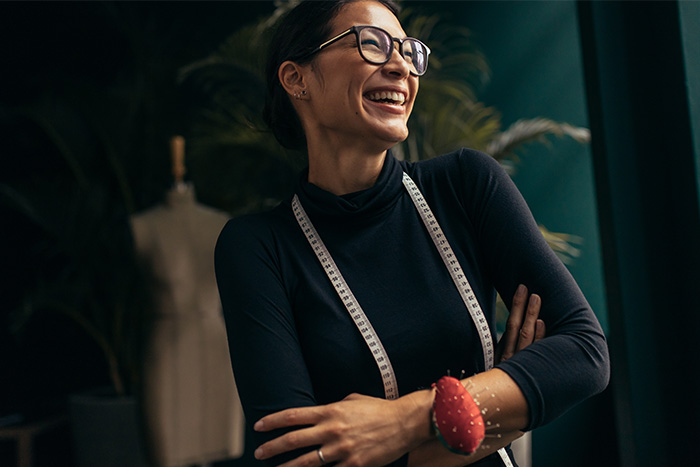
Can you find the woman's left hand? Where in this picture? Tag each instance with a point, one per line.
(357, 431)
(523, 326)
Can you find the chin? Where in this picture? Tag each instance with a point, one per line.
(396, 135)
(389, 133)
(399, 139)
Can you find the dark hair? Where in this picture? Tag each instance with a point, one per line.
(300, 31)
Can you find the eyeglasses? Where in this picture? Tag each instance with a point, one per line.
(376, 47)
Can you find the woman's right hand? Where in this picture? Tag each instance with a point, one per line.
(523, 326)
(359, 430)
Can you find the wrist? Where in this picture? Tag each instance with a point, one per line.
(416, 412)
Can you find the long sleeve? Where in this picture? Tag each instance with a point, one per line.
(572, 362)
(294, 344)
(265, 353)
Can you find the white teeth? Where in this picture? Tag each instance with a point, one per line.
(397, 97)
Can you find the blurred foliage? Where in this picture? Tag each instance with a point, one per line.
(447, 114)
(228, 131)
(81, 265)
(83, 148)
(90, 148)
(84, 268)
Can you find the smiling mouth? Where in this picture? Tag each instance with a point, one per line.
(388, 97)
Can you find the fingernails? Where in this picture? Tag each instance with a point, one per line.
(520, 290)
(258, 453)
(535, 299)
(258, 425)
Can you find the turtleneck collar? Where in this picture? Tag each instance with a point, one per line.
(320, 203)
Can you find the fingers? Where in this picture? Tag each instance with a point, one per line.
(289, 417)
(509, 341)
(311, 433)
(540, 330)
(311, 459)
(528, 329)
(296, 439)
(523, 326)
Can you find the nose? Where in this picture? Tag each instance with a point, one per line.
(397, 64)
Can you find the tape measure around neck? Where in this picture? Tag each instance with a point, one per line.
(456, 272)
(458, 277)
(362, 322)
(354, 308)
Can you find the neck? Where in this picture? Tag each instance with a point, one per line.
(346, 170)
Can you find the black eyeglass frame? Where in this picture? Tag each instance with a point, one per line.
(356, 30)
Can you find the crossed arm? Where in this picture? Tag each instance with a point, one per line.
(368, 431)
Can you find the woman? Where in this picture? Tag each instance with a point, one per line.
(334, 359)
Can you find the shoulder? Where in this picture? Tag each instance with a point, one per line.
(462, 163)
(253, 228)
(466, 172)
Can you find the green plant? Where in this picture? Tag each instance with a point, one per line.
(227, 133)
(447, 114)
(86, 157)
(85, 270)
(103, 147)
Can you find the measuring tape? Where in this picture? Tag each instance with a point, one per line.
(452, 264)
(358, 315)
(391, 390)
(458, 277)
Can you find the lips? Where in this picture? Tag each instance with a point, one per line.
(387, 96)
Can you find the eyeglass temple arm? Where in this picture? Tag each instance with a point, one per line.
(336, 38)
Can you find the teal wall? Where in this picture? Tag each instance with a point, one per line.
(534, 53)
(690, 29)
(640, 61)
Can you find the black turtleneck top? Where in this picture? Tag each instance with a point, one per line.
(293, 343)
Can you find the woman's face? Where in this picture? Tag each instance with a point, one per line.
(345, 91)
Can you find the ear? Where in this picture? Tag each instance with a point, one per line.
(291, 75)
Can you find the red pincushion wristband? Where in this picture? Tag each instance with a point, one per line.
(456, 417)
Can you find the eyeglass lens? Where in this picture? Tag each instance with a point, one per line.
(377, 46)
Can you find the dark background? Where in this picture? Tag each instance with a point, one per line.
(92, 67)
(104, 72)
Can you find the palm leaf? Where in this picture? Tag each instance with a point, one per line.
(563, 244)
(447, 114)
(505, 143)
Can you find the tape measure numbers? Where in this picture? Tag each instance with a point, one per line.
(351, 304)
(355, 310)
(452, 265)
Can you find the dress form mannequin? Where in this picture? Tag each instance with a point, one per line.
(191, 405)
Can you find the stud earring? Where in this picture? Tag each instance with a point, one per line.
(298, 95)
